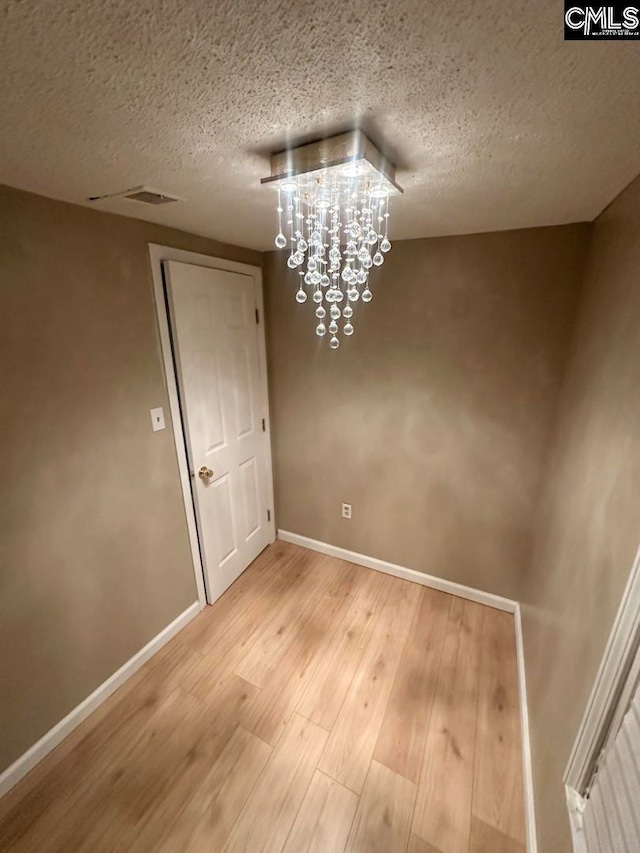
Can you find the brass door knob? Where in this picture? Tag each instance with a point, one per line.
(205, 473)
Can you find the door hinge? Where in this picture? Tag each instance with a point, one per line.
(257, 317)
(264, 426)
(268, 515)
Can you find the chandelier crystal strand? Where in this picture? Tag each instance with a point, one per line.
(333, 217)
(337, 224)
(281, 240)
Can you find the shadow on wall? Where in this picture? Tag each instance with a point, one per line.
(589, 514)
(95, 558)
(483, 421)
(434, 418)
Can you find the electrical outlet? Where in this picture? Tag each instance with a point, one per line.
(346, 510)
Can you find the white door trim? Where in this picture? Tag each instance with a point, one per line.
(608, 687)
(158, 254)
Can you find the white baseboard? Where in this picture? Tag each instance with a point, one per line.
(575, 807)
(441, 584)
(22, 765)
(527, 770)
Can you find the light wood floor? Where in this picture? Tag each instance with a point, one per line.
(316, 706)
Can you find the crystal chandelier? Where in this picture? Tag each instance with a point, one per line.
(333, 217)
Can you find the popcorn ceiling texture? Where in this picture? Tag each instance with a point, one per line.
(495, 121)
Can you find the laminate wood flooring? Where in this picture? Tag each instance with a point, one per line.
(317, 706)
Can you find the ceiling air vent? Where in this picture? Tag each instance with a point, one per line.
(145, 195)
(150, 197)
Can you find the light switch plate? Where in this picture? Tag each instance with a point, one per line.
(157, 419)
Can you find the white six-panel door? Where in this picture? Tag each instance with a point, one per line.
(216, 349)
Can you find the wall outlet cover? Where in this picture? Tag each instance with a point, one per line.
(157, 419)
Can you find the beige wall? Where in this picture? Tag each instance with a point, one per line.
(434, 418)
(589, 523)
(437, 421)
(94, 555)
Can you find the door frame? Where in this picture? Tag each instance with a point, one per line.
(606, 706)
(158, 254)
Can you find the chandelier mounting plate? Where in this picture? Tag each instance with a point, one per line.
(340, 154)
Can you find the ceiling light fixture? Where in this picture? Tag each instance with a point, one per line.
(333, 216)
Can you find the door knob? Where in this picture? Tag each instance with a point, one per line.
(204, 473)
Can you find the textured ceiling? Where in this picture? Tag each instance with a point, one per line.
(495, 121)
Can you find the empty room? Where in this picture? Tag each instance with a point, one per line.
(319, 427)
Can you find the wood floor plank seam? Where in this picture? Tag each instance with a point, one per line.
(337, 781)
(354, 736)
(473, 783)
(366, 645)
(430, 716)
(269, 712)
(268, 647)
(293, 823)
(302, 803)
(441, 818)
(499, 735)
(383, 824)
(234, 644)
(255, 784)
(311, 721)
(402, 738)
(270, 573)
(255, 817)
(56, 810)
(219, 788)
(386, 587)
